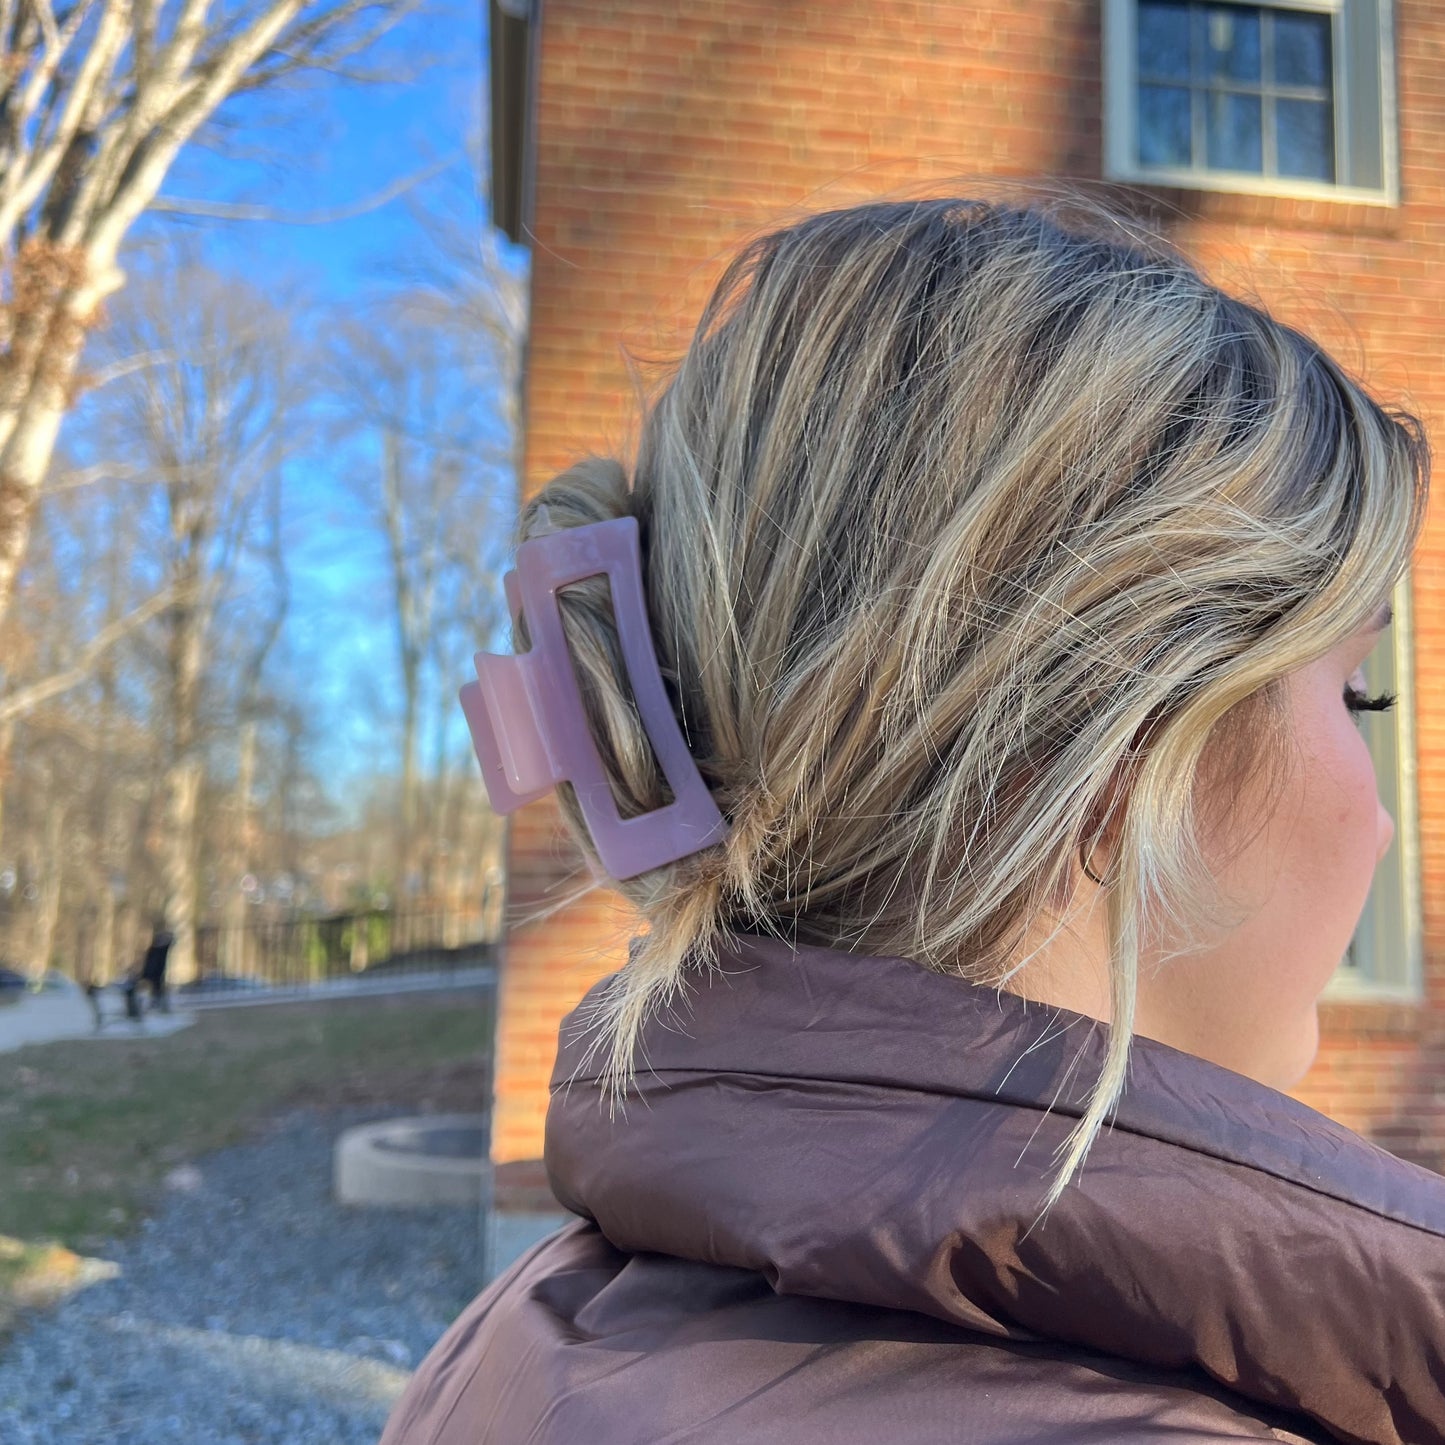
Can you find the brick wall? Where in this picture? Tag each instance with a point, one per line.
(551, 959)
(668, 132)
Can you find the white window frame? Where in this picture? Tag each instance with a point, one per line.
(1356, 27)
(1384, 962)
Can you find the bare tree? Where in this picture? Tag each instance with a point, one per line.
(107, 801)
(462, 281)
(73, 750)
(406, 398)
(430, 378)
(97, 98)
(263, 629)
(209, 422)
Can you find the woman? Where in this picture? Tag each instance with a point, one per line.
(1009, 586)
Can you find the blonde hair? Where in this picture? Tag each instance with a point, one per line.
(953, 513)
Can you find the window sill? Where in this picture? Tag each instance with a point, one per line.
(1245, 184)
(1327, 210)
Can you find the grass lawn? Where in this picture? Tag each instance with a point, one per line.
(89, 1129)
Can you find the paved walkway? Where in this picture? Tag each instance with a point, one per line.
(45, 1018)
(363, 985)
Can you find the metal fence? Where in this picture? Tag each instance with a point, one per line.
(298, 952)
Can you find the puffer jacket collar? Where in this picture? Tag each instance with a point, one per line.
(860, 1128)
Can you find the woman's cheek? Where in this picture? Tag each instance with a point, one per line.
(1347, 835)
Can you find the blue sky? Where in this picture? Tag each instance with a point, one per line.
(327, 148)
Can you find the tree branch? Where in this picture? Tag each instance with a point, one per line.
(92, 77)
(56, 46)
(141, 178)
(239, 211)
(69, 481)
(27, 699)
(144, 18)
(48, 28)
(304, 47)
(126, 366)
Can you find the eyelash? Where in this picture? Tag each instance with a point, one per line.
(1359, 702)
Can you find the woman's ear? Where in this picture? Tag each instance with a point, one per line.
(1106, 816)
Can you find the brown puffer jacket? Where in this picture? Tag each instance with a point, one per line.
(817, 1226)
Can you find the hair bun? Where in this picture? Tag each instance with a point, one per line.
(592, 490)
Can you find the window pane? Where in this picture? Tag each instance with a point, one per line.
(1231, 47)
(1301, 49)
(1164, 125)
(1163, 41)
(1304, 137)
(1235, 135)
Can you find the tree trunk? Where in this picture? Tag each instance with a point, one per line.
(183, 787)
(406, 846)
(44, 355)
(183, 792)
(52, 877)
(102, 968)
(23, 465)
(408, 629)
(108, 871)
(238, 863)
(7, 739)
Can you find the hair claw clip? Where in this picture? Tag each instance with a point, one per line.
(527, 721)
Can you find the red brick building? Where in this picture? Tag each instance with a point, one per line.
(1296, 149)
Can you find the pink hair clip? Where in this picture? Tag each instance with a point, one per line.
(526, 717)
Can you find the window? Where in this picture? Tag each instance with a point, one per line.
(1383, 960)
(1295, 98)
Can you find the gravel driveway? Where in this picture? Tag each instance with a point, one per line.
(250, 1310)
